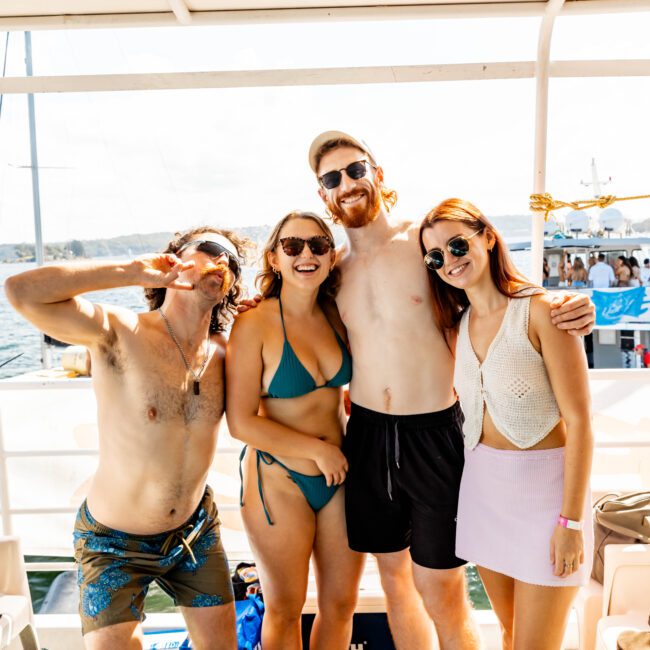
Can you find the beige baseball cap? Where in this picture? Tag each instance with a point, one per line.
(328, 136)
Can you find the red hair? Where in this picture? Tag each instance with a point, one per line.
(449, 302)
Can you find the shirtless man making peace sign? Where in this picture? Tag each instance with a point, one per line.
(159, 381)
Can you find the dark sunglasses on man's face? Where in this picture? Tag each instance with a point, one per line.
(355, 171)
(318, 245)
(458, 247)
(213, 249)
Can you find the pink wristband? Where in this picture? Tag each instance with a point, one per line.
(569, 523)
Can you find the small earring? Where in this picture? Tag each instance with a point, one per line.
(277, 272)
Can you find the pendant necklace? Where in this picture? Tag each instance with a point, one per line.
(196, 375)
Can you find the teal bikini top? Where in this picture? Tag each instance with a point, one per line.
(292, 379)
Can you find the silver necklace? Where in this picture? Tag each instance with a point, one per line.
(197, 376)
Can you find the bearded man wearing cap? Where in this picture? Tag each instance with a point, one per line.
(404, 437)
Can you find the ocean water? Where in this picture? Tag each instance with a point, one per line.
(18, 337)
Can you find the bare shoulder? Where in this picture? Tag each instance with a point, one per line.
(253, 322)
(541, 325)
(115, 322)
(343, 255)
(540, 310)
(124, 317)
(403, 228)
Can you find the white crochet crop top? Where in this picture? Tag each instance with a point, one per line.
(512, 382)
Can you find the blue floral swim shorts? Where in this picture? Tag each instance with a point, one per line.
(115, 569)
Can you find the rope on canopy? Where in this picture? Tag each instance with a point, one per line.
(546, 203)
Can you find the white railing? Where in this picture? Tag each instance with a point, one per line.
(29, 414)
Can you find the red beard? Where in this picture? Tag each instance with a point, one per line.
(357, 216)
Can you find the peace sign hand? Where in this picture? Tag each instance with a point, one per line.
(162, 270)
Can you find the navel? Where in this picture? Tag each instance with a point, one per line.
(172, 512)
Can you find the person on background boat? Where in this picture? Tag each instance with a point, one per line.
(159, 381)
(623, 271)
(635, 280)
(644, 273)
(546, 273)
(287, 362)
(524, 495)
(591, 260)
(601, 274)
(579, 276)
(404, 440)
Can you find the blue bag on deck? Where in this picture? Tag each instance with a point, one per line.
(249, 622)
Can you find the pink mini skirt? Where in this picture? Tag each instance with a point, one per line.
(507, 511)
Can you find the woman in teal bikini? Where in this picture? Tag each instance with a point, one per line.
(287, 362)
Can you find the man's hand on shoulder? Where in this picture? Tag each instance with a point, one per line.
(248, 303)
(573, 312)
(161, 270)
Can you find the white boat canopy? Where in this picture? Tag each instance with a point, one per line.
(26, 15)
(52, 14)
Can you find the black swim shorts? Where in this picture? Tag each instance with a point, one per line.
(402, 485)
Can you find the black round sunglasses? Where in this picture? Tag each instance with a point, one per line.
(457, 246)
(355, 171)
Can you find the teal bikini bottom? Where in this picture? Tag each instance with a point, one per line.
(315, 488)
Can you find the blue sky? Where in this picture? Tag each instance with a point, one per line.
(117, 163)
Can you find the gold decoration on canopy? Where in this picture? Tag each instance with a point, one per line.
(546, 203)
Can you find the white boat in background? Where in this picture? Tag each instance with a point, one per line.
(622, 332)
(578, 222)
(48, 434)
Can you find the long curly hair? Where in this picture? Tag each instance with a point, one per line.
(222, 314)
(449, 303)
(270, 285)
(388, 196)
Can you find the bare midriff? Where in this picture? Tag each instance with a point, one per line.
(317, 414)
(491, 437)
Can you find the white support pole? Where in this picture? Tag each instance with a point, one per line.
(181, 11)
(46, 352)
(541, 132)
(5, 506)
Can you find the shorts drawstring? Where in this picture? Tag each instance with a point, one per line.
(389, 474)
(389, 482)
(396, 446)
(178, 536)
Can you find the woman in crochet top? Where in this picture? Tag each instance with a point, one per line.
(524, 507)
